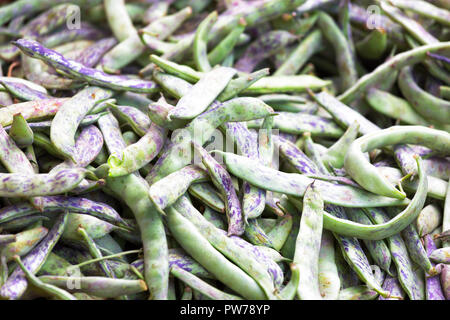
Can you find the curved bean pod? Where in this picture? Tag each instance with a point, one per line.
(69, 116)
(424, 103)
(296, 184)
(367, 175)
(137, 155)
(200, 45)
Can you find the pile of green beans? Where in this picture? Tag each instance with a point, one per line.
(225, 150)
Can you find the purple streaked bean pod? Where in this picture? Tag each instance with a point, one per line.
(265, 46)
(57, 204)
(260, 255)
(17, 283)
(253, 199)
(222, 180)
(31, 110)
(85, 32)
(441, 255)
(87, 147)
(406, 275)
(377, 249)
(295, 156)
(435, 166)
(415, 247)
(78, 71)
(445, 280)
(166, 191)
(438, 167)
(404, 157)
(433, 289)
(11, 156)
(69, 116)
(297, 123)
(32, 185)
(90, 56)
(354, 255)
(394, 288)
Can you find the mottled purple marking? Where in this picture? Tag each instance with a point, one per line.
(433, 289)
(36, 50)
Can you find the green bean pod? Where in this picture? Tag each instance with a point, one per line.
(366, 174)
(424, 103)
(344, 57)
(69, 116)
(139, 154)
(208, 195)
(401, 259)
(296, 184)
(202, 251)
(21, 132)
(329, 282)
(200, 44)
(307, 246)
(197, 284)
(397, 62)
